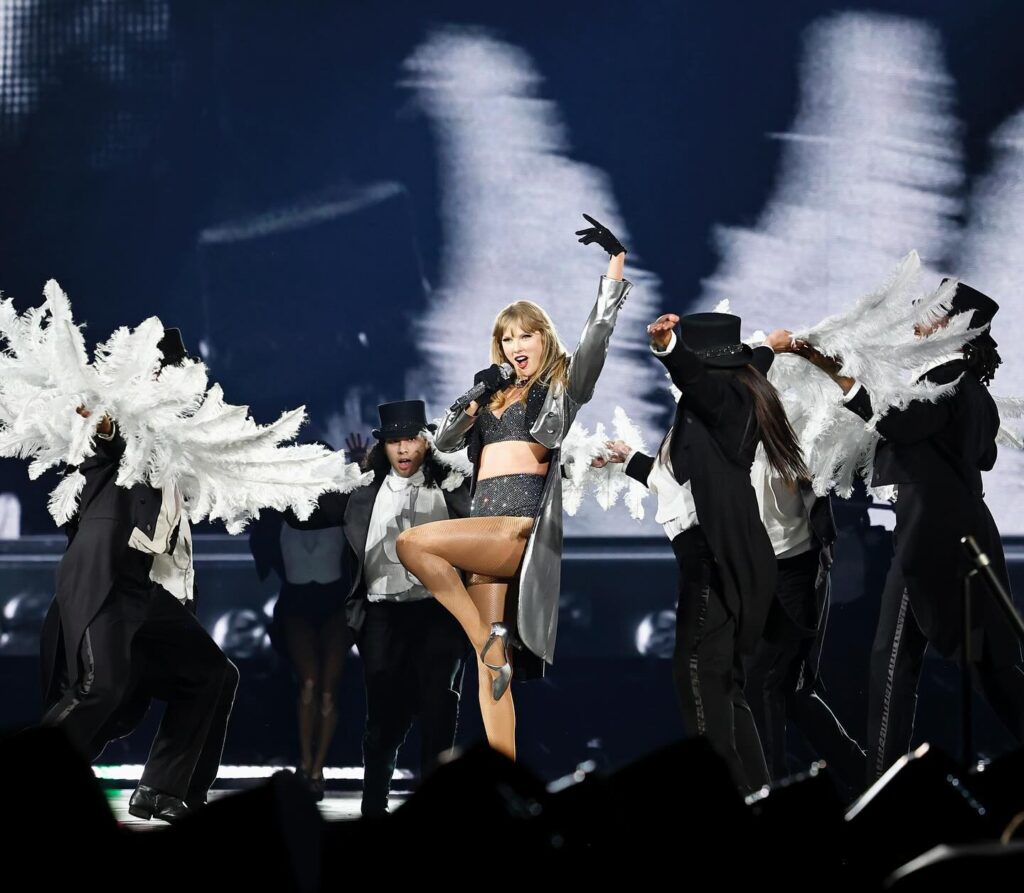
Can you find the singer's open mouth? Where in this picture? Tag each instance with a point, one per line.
(522, 360)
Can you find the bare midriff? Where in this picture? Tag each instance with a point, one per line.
(512, 457)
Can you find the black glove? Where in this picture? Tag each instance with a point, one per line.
(493, 379)
(602, 235)
(356, 447)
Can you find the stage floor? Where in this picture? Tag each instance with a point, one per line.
(336, 806)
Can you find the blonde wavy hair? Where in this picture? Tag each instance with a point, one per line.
(554, 362)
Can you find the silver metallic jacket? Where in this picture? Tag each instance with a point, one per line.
(539, 579)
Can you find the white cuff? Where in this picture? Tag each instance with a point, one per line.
(111, 435)
(850, 394)
(667, 350)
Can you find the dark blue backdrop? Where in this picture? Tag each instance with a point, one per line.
(153, 125)
(261, 175)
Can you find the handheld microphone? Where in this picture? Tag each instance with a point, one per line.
(505, 370)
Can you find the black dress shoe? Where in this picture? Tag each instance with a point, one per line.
(314, 784)
(317, 786)
(147, 803)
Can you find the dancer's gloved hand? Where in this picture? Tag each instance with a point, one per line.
(356, 447)
(493, 379)
(602, 235)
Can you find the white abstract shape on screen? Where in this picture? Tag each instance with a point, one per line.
(869, 169)
(990, 259)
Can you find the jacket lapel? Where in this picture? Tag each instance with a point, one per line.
(357, 518)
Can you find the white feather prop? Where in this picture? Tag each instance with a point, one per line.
(579, 448)
(458, 464)
(630, 434)
(877, 345)
(176, 432)
(1010, 438)
(835, 442)
(64, 497)
(608, 482)
(1011, 411)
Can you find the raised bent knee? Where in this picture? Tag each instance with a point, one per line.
(407, 544)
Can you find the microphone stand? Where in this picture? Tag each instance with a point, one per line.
(983, 569)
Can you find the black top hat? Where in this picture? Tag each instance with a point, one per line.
(967, 298)
(403, 418)
(172, 348)
(715, 338)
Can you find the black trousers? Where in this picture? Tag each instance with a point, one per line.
(414, 658)
(779, 687)
(897, 656)
(707, 668)
(145, 644)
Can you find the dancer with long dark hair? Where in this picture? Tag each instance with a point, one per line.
(707, 507)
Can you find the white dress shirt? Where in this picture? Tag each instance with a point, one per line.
(401, 503)
(676, 509)
(782, 508)
(172, 569)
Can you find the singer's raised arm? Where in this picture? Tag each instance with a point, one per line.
(589, 356)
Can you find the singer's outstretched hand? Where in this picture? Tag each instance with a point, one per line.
(599, 233)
